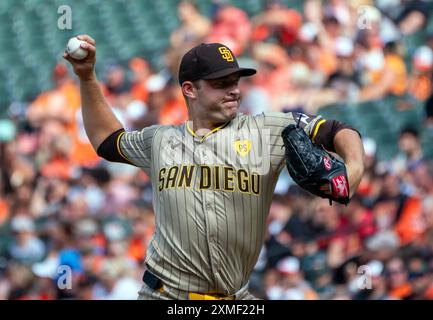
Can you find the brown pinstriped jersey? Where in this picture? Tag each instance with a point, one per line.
(211, 196)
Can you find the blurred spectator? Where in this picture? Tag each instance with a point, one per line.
(273, 71)
(378, 289)
(255, 99)
(141, 72)
(59, 103)
(294, 287)
(118, 274)
(411, 153)
(420, 79)
(166, 103)
(143, 228)
(346, 78)
(339, 9)
(397, 276)
(174, 110)
(194, 26)
(231, 27)
(26, 247)
(386, 72)
(368, 187)
(276, 23)
(413, 17)
(116, 81)
(19, 286)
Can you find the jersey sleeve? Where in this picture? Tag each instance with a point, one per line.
(275, 122)
(136, 146)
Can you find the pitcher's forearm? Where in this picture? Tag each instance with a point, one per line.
(99, 119)
(349, 146)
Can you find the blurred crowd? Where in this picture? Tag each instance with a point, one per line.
(61, 205)
(380, 246)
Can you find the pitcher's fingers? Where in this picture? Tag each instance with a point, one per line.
(87, 38)
(66, 56)
(91, 49)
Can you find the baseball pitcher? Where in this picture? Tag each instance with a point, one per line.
(214, 176)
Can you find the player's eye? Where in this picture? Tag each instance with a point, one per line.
(222, 84)
(218, 84)
(228, 83)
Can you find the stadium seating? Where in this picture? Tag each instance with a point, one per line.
(381, 121)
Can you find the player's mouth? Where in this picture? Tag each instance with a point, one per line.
(232, 103)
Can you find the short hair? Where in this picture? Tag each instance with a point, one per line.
(390, 47)
(410, 130)
(414, 6)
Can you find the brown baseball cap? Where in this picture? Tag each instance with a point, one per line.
(210, 61)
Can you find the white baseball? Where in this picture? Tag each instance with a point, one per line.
(74, 50)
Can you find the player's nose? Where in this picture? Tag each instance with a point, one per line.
(234, 90)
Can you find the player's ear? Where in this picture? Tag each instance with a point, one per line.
(189, 90)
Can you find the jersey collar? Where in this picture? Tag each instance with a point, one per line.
(191, 131)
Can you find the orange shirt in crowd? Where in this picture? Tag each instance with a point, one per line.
(410, 225)
(286, 21)
(420, 86)
(232, 27)
(141, 71)
(393, 62)
(4, 211)
(82, 153)
(401, 292)
(173, 112)
(60, 103)
(63, 103)
(429, 293)
(327, 61)
(58, 167)
(139, 91)
(137, 246)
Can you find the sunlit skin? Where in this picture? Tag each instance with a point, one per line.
(211, 103)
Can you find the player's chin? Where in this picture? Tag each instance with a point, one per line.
(230, 114)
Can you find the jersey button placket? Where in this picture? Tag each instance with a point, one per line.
(204, 155)
(205, 158)
(213, 246)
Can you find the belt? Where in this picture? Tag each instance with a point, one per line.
(200, 296)
(155, 283)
